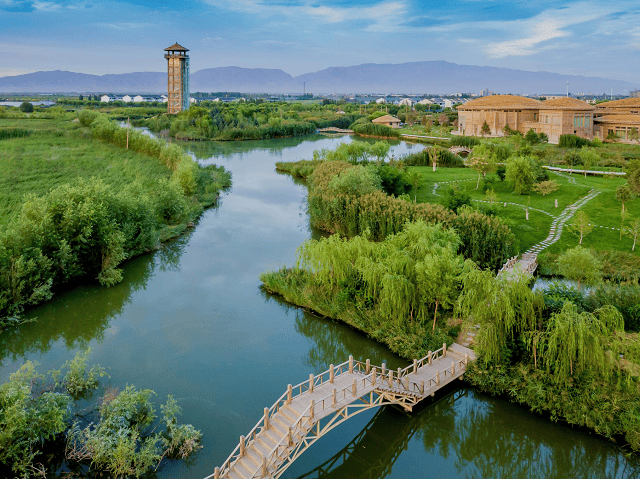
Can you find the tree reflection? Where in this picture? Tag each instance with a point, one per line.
(488, 441)
(204, 150)
(82, 314)
(483, 438)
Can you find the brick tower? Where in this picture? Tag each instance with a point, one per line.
(178, 72)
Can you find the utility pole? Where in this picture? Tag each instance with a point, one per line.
(567, 89)
(304, 88)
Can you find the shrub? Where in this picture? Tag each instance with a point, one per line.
(373, 129)
(26, 107)
(466, 141)
(572, 141)
(7, 133)
(454, 198)
(86, 117)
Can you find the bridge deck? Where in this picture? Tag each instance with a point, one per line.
(294, 422)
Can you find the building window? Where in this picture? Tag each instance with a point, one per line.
(535, 117)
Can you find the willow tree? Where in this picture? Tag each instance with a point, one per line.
(438, 276)
(582, 342)
(503, 306)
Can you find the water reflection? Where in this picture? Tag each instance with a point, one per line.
(81, 315)
(480, 437)
(497, 439)
(388, 434)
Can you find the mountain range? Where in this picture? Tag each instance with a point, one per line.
(417, 77)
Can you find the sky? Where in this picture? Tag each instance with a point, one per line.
(592, 38)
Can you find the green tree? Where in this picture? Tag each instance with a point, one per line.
(572, 158)
(590, 157)
(633, 134)
(503, 306)
(485, 129)
(532, 137)
(546, 187)
(581, 226)
(357, 180)
(580, 265)
(483, 161)
(624, 195)
(438, 277)
(415, 178)
(623, 217)
(632, 232)
(633, 176)
(520, 174)
(26, 107)
(576, 342)
(492, 196)
(542, 137)
(380, 150)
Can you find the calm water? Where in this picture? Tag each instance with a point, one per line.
(190, 320)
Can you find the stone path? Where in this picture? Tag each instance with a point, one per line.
(558, 223)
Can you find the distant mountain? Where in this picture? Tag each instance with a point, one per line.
(445, 77)
(246, 80)
(70, 82)
(418, 77)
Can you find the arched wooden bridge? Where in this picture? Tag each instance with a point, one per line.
(308, 411)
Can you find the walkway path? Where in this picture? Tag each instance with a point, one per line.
(311, 409)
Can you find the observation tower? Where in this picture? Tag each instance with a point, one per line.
(178, 78)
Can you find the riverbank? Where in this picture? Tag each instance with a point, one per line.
(80, 197)
(574, 364)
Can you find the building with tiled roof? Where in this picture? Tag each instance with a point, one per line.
(554, 117)
(388, 120)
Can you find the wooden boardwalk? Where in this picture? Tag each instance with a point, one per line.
(308, 411)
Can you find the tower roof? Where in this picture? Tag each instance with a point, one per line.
(176, 47)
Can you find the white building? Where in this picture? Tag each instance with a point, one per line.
(406, 102)
(425, 102)
(105, 99)
(138, 99)
(380, 101)
(127, 99)
(448, 103)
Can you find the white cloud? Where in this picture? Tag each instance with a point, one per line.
(46, 6)
(125, 25)
(529, 35)
(384, 16)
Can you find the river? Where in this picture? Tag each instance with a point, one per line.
(190, 320)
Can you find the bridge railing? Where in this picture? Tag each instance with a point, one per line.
(308, 418)
(292, 392)
(372, 373)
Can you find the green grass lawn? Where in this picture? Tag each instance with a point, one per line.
(442, 131)
(60, 152)
(603, 210)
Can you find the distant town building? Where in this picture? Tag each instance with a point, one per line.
(388, 120)
(406, 102)
(486, 92)
(127, 99)
(139, 99)
(105, 99)
(634, 94)
(554, 117)
(380, 101)
(178, 78)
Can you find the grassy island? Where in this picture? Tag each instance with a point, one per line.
(412, 275)
(79, 195)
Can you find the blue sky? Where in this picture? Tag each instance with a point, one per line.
(593, 38)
